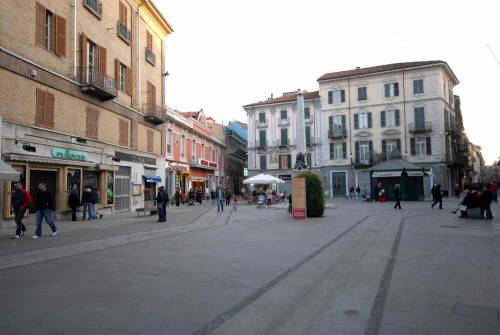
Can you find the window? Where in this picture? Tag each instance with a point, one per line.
(202, 151)
(307, 113)
(150, 55)
(150, 141)
(122, 27)
(420, 146)
(263, 162)
(362, 94)
(262, 118)
(419, 114)
(285, 161)
(284, 136)
(283, 114)
(50, 31)
(92, 61)
(262, 138)
(151, 94)
(337, 151)
(183, 147)
(391, 148)
(389, 118)
(44, 115)
(92, 122)
(308, 135)
(418, 86)
(193, 151)
(94, 6)
(123, 133)
(332, 148)
(336, 97)
(123, 78)
(364, 152)
(362, 120)
(169, 141)
(391, 90)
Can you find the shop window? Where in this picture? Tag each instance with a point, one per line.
(73, 178)
(91, 179)
(110, 188)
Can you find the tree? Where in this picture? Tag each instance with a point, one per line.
(315, 199)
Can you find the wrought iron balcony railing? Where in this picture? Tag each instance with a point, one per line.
(337, 133)
(94, 6)
(153, 113)
(150, 56)
(97, 83)
(420, 127)
(123, 32)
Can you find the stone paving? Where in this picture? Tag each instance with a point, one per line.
(362, 269)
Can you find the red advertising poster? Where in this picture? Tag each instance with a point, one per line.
(299, 198)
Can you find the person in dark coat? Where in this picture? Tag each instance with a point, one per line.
(44, 206)
(87, 203)
(438, 197)
(94, 200)
(74, 202)
(397, 196)
(161, 204)
(228, 197)
(21, 200)
(485, 202)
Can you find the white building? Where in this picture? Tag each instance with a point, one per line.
(364, 116)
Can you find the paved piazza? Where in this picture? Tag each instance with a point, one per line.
(361, 269)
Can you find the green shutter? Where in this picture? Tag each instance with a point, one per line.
(428, 146)
(344, 150)
(289, 161)
(284, 136)
(384, 149)
(382, 119)
(370, 149)
(330, 97)
(343, 122)
(262, 138)
(331, 150)
(413, 150)
(308, 135)
(356, 121)
(356, 151)
(396, 116)
(342, 96)
(369, 120)
(396, 89)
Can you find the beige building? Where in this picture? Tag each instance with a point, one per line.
(82, 95)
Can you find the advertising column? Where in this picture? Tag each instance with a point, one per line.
(299, 198)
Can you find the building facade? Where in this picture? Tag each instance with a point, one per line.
(82, 95)
(368, 115)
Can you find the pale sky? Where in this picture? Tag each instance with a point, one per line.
(224, 54)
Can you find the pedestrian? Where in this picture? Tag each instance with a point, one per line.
(74, 201)
(494, 190)
(397, 196)
(190, 197)
(212, 196)
(269, 196)
(21, 200)
(485, 202)
(177, 197)
(221, 196)
(457, 191)
(433, 192)
(438, 197)
(351, 192)
(44, 201)
(87, 203)
(358, 191)
(161, 204)
(94, 200)
(228, 197)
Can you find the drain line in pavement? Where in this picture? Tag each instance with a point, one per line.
(211, 326)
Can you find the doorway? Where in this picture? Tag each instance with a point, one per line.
(339, 184)
(122, 189)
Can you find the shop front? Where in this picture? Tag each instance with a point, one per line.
(203, 175)
(174, 173)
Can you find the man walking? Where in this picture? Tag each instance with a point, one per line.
(438, 197)
(87, 203)
(21, 200)
(221, 197)
(44, 205)
(161, 204)
(397, 196)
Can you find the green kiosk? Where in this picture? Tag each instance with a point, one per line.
(398, 171)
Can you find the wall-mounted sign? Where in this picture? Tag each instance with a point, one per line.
(299, 198)
(285, 177)
(72, 155)
(205, 162)
(177, 166)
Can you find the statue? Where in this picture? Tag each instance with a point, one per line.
(300, 161)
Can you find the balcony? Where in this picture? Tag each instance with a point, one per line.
(123, 32)
(284, 122)
(153, 113)
(309, 120)
(262, 123)
(150, 57)
(310, 142)
(284, 143)
(262, 145)
(337, 133)
(420, 127)
(452, 129)
(96, 83)
(94, 6)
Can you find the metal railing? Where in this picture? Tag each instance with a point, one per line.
(262, 123)
(123, 32)
(150, 56)
(337, 133)
(91, 76)
(284, 143)
(153, 113)
(420, 127)
(95, 7)
(284, 122)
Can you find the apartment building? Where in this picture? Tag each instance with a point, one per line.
(361, 117)
(193, 153)
(272, 132)
(82, 95)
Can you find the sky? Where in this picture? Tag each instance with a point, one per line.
(224, 54)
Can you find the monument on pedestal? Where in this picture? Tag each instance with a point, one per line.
(300, 133)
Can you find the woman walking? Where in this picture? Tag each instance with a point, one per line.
(74, 201)
(397, 196)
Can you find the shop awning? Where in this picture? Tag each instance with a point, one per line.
(381, 174)
(47, 160)
(7, 172)
(152, 179)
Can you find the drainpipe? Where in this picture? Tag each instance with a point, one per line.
(404, 113)
(349, 112)
(139, 54)
(74, 40)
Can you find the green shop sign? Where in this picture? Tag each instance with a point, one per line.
(71, 155)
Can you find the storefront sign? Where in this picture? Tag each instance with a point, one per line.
(134, 158)
(285, 177)
(205, 162)
(177, 166)
(299, 198)
(72, 155)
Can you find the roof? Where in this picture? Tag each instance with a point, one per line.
(289, 97)
(385, 68)
(194, 115)
(396, 165)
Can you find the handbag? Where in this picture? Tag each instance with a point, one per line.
(462, 208)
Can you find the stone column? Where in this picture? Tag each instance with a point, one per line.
(300, 131)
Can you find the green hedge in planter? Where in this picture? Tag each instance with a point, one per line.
(315, 200)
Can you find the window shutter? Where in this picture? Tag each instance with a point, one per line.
(129, 81)
(123, 133)
(387, 90)
(150, 141)
(149, 40)
(398, 145)
(102, 60)
(369, 120)
(413, 150)
(92, 122)
(289, 159)
(356, 151)
(382, 119)
(330, 123)
(153, 94)
(396, 89)
(49, 110)
(343, 122)
(342, 96)
(428, 146)
(308, 135)
(40, 25)
(396, 116)
(356, 121)
(331, 150)
(84, 52)
(60, 36)
(40, 106)
(384, 149)
(123, 14)
(330, 97)
(344, 150)
(370, 149)
(117, 72)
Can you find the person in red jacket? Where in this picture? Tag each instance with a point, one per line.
(21, 200)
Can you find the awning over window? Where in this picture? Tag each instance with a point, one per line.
(7, 172)
(152, 179)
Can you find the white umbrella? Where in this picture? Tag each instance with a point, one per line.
(263, 179)
(7, 172)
